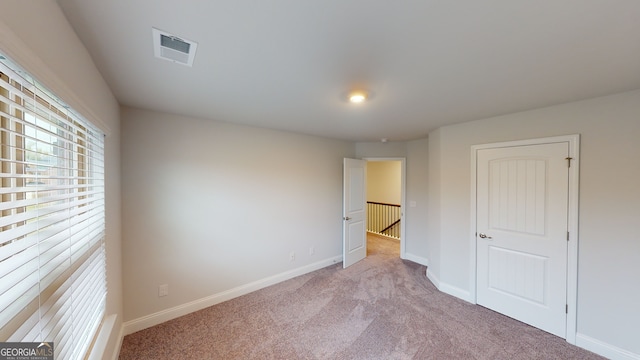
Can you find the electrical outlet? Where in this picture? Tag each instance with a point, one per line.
(163, 290)
(312, 250)
(292, 256)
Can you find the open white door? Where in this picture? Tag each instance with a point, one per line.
(354, 236)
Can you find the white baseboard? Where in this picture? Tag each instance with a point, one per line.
(455, 291)
(604, 349)
(448, 289)
(184, 309)
(433, 278)
(416, 259)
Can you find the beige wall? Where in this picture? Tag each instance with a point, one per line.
(384, 182)
(36, 35)
(609, 244)
(210, 207)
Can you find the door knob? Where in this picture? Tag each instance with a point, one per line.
(483, 236)
(347, 218)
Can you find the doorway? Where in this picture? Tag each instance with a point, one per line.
(354, 207)
(385, 199)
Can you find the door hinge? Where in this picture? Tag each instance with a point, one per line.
(566, 308)
(567, 236)
(568, 158)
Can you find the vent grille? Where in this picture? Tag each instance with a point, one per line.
(172, 48)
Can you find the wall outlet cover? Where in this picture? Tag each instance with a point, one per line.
(163, 290)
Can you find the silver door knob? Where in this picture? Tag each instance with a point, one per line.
(483, 236)
(347, 218)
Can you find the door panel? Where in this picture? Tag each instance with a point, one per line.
(354, 237)
(522, 200)
(518, 189)
(517, 274)
(356, 241)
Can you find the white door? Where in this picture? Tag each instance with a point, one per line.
(522, 208)
(354, 237)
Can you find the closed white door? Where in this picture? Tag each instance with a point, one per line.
(522, 209)
(354, 237)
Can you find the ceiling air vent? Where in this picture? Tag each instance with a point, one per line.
(169, 47)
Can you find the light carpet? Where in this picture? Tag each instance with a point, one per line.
(380, 308)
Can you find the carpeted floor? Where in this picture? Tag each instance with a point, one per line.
(380, 308)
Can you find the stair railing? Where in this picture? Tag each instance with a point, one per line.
(384, 219)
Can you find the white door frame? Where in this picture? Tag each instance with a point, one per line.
(403, 180)
(572, 251)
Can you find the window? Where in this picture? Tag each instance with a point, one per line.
(52, 218)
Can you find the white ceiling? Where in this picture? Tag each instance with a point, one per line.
(287, 64)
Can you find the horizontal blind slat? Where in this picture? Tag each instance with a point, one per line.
(20, 273)
(28, 323)
(46, 216)
(16, 260)
(52, 225)
(20, 291)
(89, 295)
(15, 315)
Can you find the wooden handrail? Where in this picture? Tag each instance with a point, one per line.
(379, 203)
(390, 226)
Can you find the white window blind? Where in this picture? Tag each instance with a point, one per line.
(52, 223)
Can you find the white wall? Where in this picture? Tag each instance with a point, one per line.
(609, 244)
(384, 182)
(417, 194)
(381, 150)
(36, 35)
(211, 207)
(433, 207)
(416, 155)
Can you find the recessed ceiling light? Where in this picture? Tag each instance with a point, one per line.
(357, 97)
